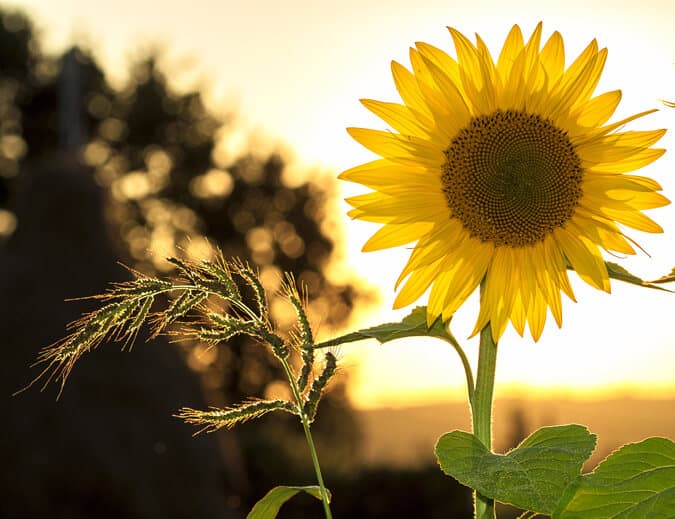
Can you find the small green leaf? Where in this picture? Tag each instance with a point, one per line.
(268, 507)
(532, 476)
(413, 325)
(616, 271)
(634, 482)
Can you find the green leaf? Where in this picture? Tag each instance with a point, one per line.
(268, 507)
(616, 271)
(413, 325)
(634, 482)
(532, 476)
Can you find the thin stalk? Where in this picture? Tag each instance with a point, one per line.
(466, 364)
(482, 409)
(310, 442)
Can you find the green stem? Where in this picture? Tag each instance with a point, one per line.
(310, 442)
(482, 409)
(465, 363)
(317, 468)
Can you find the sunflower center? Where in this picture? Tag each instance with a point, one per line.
(511, 178)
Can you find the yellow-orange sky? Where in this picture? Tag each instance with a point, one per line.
(296, 70)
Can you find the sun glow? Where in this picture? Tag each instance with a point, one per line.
(307, 94)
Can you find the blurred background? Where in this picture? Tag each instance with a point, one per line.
(129, 133)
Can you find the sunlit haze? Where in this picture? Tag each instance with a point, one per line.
(294, 71)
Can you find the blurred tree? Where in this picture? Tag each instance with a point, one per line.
(108, 448)
(153, 152)
(156, 151)
(17, 60)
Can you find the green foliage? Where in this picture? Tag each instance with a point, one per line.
(541, 475)
(413, 325)
(128, 306)
(618, 272)
(314, 394)
(531, 476)
(634, 482)
(268, 507)
(215, 418)
(547, 464)
(305, 337)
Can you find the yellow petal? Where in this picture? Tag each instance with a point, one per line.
(400, 118)
(634, 219)
(613, 181)
(635, 161)
(394, 146)
(553, 57)
(599, 109)
(592, 134)
(441, 59)
(467, 58)
(408, 90)
(495, 292)
(476, 82)
(385, 175)
(583, 256)
(570, 89)
(418, 283)
(455, 107)
(486, 58)
(592, 82)
(536, 316)
(519, 314)
(510, 51)
(441, 241)
(404, 210)
(449, 114)
(531, 54)
(396, 235)
(555, 262)
(466, 276)
(617, 147)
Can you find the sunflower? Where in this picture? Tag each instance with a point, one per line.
(505, 174)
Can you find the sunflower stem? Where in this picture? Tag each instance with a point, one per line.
(481, 409)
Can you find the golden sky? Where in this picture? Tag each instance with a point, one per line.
(296, 70)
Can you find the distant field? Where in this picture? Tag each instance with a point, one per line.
(406, 436)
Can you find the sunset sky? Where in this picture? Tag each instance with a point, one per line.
(294, 72)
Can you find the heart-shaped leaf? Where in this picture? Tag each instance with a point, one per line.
(268, 507)
(412, 325)
(532, 476)
(634, 482)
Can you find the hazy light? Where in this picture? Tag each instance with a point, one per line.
(132, 186)
(158, 162)
(95, 154)
(201, 356)
(215, 183)
(13, 147)
(112, 129)
(8, 223)
(320, 69)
